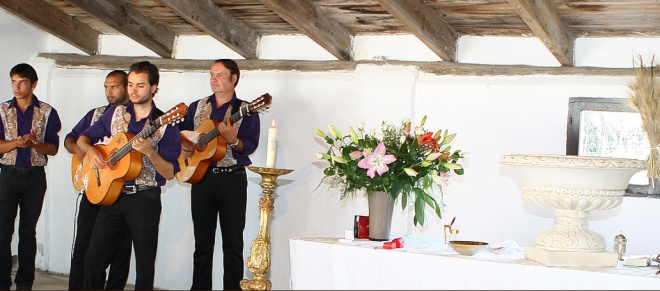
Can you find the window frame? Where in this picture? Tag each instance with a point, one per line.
(575, 107)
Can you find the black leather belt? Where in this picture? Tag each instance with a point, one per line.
(230, 169)
(132, 189)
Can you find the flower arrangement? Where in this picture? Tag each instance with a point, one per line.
(410, 165)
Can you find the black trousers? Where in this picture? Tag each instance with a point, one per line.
(120, 263)
(23, 187)
(220, 196)
(139, 215)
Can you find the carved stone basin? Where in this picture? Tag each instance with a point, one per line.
(573, 186)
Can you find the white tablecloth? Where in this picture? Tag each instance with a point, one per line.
(427, 263)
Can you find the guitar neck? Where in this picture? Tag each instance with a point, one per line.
(126, 148)
(242, 111)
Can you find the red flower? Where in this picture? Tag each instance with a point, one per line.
(427, 139)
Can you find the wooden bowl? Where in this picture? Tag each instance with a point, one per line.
(468, 248)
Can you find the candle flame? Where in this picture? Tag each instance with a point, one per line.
(272, 124)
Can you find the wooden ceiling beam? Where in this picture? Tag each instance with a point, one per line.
(56, 22)
(208, 17)
(425, 24)
(104, 62)
(310, 20)
(129, 21)
(544, 21)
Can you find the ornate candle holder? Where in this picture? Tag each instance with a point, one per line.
(259, 260)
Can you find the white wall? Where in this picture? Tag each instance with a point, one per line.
(493, 116)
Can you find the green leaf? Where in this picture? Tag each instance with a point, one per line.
(339, 159)
(419, 211)
(453, 166)
(438, 210)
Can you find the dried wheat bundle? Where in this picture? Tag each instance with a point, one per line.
(645, 98)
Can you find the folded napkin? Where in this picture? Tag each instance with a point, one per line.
(638, 261)
(505, 247)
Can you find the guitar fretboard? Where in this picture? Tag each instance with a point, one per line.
(126, 148)
(242, 111)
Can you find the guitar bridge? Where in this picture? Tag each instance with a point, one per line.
(98, 180)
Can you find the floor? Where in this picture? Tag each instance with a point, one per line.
(47, 281)
(52, 281)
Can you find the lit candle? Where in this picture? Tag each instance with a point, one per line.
(271, 149)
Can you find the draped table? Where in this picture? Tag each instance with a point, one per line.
(426, 263)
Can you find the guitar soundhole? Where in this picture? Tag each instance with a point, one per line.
(202, 148)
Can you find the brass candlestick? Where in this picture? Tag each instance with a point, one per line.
(259, 260)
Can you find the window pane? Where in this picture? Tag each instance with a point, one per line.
(614, 135)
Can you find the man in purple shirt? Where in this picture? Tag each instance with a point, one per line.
(115, 91)
(222, 192)
(30, 133)
(137, 209)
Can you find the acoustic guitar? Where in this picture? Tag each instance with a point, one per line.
(103, 186)
(211, 146)
(77, 174)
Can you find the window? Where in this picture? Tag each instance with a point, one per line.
(608, 127)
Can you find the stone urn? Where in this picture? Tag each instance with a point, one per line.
(573, 186)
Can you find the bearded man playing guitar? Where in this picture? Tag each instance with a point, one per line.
(137, 209)
(221, 194)
(115, 91)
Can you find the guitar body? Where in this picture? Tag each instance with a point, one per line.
(77, 174)
(211, 146)
(103, 186)
(106, 187)
(194, 167)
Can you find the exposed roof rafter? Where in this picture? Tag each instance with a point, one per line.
(544, 21)
(332, 24)
(425, 24)
(208, 17)
(53, 20)
(310, 20)
(129, 21)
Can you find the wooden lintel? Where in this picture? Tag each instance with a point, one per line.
(75, 61)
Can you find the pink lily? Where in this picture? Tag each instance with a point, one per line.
(376, 162)
(440, 178)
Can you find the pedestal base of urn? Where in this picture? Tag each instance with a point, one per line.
(571, 259)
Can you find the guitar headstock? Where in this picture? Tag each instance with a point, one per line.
(260, 103)
(174, 115)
